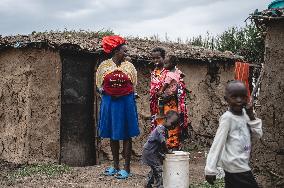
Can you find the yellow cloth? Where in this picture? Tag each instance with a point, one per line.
(109, 66)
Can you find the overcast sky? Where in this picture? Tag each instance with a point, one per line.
(174, 18)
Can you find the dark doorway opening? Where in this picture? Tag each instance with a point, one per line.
(77, 141)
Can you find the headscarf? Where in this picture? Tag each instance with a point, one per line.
(111, 42)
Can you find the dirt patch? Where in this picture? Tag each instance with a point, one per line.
(92, 176)
(6, 168)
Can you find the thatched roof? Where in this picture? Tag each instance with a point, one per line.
(91, 42)
(268, 15)
(261, 19)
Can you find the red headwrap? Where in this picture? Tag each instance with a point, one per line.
(111, 42)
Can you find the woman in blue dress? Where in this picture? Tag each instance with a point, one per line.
(116, 78)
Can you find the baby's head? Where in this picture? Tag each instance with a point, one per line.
(236, 95)
(170, 62)
(172, 119)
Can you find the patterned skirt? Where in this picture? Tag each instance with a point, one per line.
(173, 140)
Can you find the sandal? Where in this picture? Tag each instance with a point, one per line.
(110, 171)
(122, 174)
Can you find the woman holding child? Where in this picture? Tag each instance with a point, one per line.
(116, 79)
(167, 93)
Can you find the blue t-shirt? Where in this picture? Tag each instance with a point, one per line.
(156, 139)
(152, 149)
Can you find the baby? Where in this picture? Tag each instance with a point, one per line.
(169, 88)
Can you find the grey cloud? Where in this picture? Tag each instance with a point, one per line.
(20, 16)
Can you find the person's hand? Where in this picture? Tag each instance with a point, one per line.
(162, 156)
(163, 96)
(210, 179)
(159, 93)
(170, 151)
(100, 90)
(249, 110)
(136, 96)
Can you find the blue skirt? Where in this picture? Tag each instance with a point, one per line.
(118, 117)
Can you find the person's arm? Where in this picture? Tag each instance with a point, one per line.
(255, 124)
(100, 90)
(163, 88)
(164, 148)
(134, 77)
(166, 84)
(256, 127)
(132, 73)
(161, 138)
(100, 73)
(216, 149)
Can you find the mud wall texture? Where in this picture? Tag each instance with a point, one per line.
(29, 105)
(206, 102)
(268, 154)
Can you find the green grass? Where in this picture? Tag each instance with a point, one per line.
(48, 170)
(104, 32)
(219, 183)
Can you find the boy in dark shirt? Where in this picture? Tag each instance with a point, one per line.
(155, 148)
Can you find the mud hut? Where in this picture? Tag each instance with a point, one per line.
(269, 153)
(48, 103)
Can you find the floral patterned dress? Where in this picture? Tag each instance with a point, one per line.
(177, 103)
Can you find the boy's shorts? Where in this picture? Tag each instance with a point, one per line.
(240, 180)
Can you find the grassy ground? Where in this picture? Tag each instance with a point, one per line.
(48, 170)
(218, 184)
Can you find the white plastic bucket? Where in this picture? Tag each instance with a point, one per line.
(176, 170)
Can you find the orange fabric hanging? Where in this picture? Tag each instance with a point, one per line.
(242, 74)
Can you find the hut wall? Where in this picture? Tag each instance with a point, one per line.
(268, 155)
(29, 105)
(206, 102)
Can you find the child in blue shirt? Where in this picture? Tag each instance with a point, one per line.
(155, 148)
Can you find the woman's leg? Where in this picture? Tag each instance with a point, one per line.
(127, 149)
(114, 145)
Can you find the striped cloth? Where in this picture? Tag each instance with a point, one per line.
(242, 74)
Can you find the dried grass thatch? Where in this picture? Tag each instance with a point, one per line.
(91, 42)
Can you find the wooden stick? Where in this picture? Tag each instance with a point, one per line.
(256, 85)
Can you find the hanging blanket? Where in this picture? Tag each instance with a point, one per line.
(242, 74)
